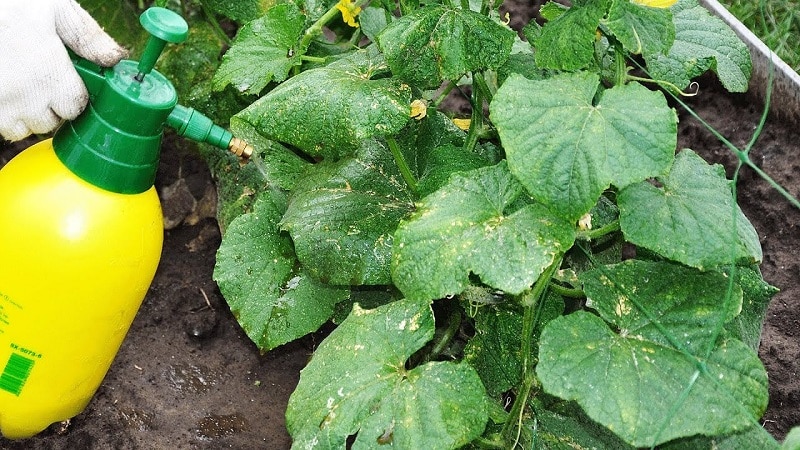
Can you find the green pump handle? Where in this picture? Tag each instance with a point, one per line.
(164, 26)
(115, 142)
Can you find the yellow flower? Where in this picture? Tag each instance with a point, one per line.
(656, 3)
(585, 222)
(419, 109)
(349, 12)
(462, 123)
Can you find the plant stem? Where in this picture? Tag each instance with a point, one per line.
(316, 28)
(566, 292)
(355, 38)
(621, 70)
(314, 59)
(480, 82)
(482, 442)
(608, 228)
(454, 323)
(443, 95)
(404, 8)
(667, 84)
(531, 303)
(476, 119)
(212, 19)
(402, 165)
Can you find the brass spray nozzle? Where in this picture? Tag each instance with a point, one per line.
(241, 149)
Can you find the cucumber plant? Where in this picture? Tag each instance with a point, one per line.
(546, 270)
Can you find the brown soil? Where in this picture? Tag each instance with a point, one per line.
(187, 377)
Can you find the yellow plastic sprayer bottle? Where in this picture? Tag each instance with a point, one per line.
(81, 234)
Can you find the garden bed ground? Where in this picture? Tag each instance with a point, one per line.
(187, 377)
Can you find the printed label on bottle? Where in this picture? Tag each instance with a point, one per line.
(16, 372)
(4, 320)
(6, 307)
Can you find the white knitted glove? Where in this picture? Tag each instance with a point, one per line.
(38, 84)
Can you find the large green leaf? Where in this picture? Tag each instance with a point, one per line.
(441, 162)
(478, 224)
(690, 219)
(662, 370)
(689, 304)
(272, 166)
(564, 426)
(495, 350)
(434, 150)
(190, 68)
(566, 150)
(436, 43)
(256, 270)
(329, 111)
(357, 384)
(275, 164)
(240, 10)
(264, 51)
(641, 29)
(757, 294)
(373, 20)
(792, 441)
(315, 9)
(567, 42)
(755, 437)
(702, 42)
(343, 215)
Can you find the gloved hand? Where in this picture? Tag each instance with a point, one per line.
(38, 84)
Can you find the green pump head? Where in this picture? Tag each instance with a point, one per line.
(115, 143)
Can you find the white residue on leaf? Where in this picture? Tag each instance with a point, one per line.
(328, 419)
(414, 325)
(358, 310)
(334, 243)
(293, 283)
(623, 307)
(312, 443)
